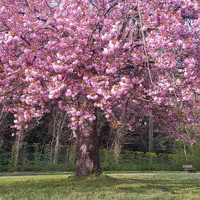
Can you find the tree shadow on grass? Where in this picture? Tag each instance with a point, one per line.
(142, 186)
(107, 183)
(73, 183)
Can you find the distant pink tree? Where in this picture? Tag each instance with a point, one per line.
(84, 55)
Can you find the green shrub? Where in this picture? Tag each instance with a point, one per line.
(128, 160)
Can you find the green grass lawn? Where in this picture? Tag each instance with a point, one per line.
(124, 186)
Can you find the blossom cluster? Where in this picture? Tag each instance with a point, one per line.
(79, 55)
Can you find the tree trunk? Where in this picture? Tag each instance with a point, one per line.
(56, 129)
(17, 148)
(118, 142)
(87, 150)
(56, 149)
(117, 151)
(120, 134)
(185, 152)
(150, 133)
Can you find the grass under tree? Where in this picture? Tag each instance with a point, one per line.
(124, 185)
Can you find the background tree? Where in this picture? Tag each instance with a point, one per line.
(58, 129)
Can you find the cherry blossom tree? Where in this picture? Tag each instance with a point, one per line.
(84, 55)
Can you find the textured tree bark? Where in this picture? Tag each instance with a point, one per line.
(118, 142)
(150, 133)
(17, 148)
(59, 119)
(120, 134)
(56, 149)
(87, 150)
(56, 129)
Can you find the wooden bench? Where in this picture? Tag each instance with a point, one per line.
(189, 168)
